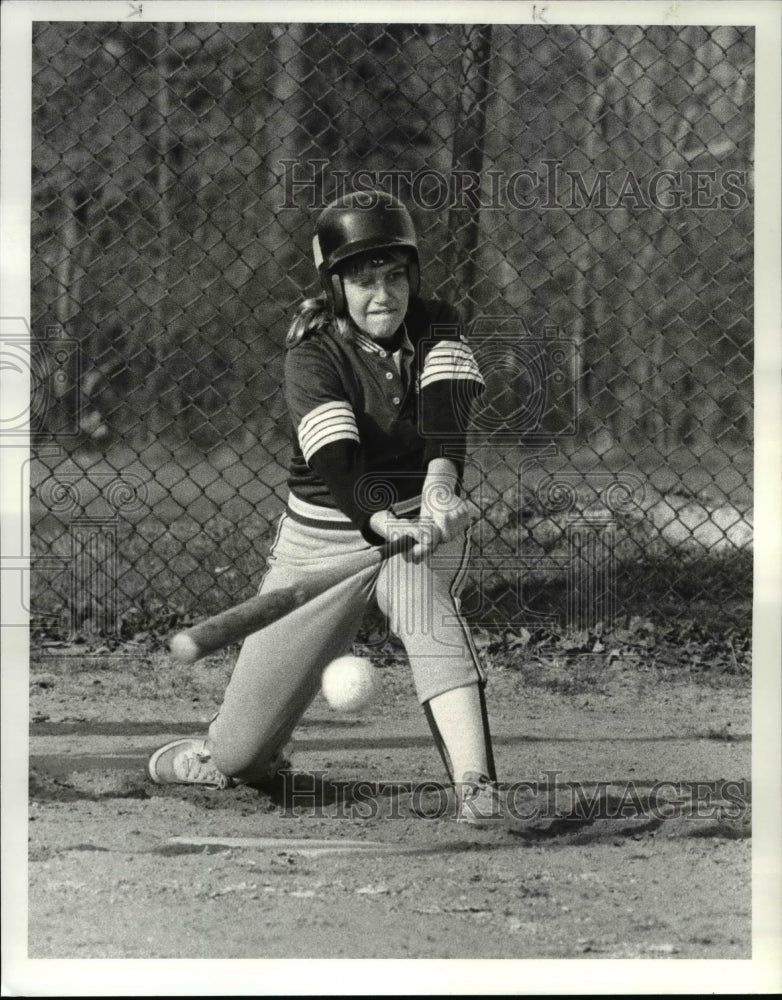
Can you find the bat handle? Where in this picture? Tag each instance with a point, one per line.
(399, 545)
(404, 543)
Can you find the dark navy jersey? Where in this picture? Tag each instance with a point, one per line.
(367, 421)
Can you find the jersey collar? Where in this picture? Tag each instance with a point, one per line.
(367, 344)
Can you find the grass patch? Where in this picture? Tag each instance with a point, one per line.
(680, 610)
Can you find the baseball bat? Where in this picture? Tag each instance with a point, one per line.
(241, 620)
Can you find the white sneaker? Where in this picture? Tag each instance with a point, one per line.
(479, 800)
(186, 761)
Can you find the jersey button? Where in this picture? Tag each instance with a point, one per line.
(389, 374)
(396, 400)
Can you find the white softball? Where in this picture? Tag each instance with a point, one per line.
(183, 649)
(350, 683)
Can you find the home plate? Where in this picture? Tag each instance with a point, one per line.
(309, 847)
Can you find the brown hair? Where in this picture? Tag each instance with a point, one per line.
(314, 315)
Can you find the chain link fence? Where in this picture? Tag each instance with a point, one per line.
(582, 193)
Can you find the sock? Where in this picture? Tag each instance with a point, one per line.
(459, 719)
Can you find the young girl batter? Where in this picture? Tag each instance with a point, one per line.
(379, 385)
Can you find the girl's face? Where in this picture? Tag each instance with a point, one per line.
(377, 294)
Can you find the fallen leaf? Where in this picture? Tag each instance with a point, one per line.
(372, 890)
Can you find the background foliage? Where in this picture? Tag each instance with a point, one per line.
(169, 248)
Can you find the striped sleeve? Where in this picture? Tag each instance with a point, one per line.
(325, 424)
(326, 429)
(320, 410)
(450, 360)
(450, 383)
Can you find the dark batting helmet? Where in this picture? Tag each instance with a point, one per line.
(356, 224)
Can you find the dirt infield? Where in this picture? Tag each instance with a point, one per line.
(627, 834)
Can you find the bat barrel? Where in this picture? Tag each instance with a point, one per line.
(236, 623)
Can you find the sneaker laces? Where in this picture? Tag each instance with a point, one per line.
(475, 790)
(473, 784)
(196, 766)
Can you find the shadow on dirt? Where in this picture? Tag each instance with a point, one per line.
(534, 815)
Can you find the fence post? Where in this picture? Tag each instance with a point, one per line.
(472, 88)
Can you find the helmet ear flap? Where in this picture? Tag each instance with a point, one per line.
(413, 275)
(337, 296)
(335, 293)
